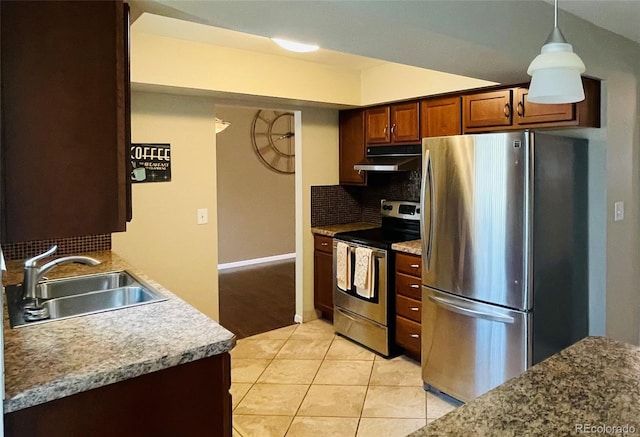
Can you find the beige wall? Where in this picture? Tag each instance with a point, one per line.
(389, 81)
(256, 205)
(317, 164)
(166, 61)
(163, 239)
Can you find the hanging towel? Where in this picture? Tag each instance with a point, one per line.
(364, 273)
(343, 266)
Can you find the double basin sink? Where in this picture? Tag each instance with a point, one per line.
(82, 295)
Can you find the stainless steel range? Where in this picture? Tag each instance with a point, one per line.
(363, 276)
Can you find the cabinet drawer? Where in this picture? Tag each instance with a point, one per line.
(408, 334)
(409, 308)
(410, 264)
(408, 286)
(323, 243)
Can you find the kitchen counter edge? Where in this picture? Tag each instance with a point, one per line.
(332, 230)
(53, 360)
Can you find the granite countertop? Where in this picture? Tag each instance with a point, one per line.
(592, 387)
(53, 360)
(332, 230)
(414, 247)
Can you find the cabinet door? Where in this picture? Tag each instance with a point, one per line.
(323, 283)
(484, 111)
(405, 125)
(441, 117)
(64, 139)
(378, 131)
(528, 113)
(352, 147)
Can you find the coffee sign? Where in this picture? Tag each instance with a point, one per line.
(150, 162)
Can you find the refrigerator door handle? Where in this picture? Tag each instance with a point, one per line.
(428, 243)
(487, 315)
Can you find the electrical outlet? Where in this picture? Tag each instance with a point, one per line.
(203, 216)
(618, 211)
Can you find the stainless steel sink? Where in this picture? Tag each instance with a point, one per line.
(82, 295)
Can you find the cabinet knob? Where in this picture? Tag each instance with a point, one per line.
(507, 110)
(415, 266)
(385, 129)
(415, 336)
(415, 285)
(414, 308)
(324, 244)
(393, 128)
(520, 109)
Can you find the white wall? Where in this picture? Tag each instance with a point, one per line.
(256, 205)
(163, 239)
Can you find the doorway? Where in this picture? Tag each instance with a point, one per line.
(256, 219)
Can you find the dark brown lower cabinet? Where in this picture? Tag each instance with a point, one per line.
(409, 304)
(187, 400)
(323, 275)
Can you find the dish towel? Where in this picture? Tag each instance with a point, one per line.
(364, 273)
(343, 266)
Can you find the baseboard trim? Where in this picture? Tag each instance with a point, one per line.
(249, 262)
(297, 318)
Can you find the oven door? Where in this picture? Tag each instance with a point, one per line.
(374, 309)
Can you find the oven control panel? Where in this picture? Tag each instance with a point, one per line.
(400, 209)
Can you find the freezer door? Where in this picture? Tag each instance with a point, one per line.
(468, 348)
(475, 227)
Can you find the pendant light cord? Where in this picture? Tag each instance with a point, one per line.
(555, 15)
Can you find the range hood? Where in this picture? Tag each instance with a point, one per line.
(391, 158)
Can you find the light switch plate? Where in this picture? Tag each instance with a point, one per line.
(203, 216)
(618, 211)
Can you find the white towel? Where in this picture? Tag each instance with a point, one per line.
(364, 272)
(343, 266)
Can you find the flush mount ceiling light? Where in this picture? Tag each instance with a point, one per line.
(555, 72)
(221, 125)
(295, 46)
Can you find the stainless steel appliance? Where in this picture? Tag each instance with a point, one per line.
(369, 321)
(504, 257)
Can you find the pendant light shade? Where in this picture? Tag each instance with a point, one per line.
(555, 72)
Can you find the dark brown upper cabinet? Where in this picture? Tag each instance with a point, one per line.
(66, 127)
(393, 124)
(487, 110)
(440, 117)
(352, 147)
(507, 109)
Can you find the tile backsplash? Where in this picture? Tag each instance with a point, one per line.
(66, 246)
(337, 204)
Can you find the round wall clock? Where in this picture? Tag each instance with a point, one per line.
(273, 138)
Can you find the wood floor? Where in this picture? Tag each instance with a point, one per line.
(257, 299)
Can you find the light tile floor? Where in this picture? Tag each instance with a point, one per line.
(303, 380)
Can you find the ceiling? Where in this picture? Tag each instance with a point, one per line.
(484, 39)
(618, 16)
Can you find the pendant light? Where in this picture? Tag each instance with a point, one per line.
(555, 72)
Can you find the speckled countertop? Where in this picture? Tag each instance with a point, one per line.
(332, 230)
(592, 387)
(52, 360)
(414, 247)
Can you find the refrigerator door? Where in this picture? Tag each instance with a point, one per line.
(468, 348)
(475, 228)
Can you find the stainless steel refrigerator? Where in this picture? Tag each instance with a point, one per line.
(504, 256)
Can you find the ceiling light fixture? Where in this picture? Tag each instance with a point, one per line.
(221, 125)
(555, 72)
(295, 46)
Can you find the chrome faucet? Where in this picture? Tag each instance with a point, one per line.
(33, 310)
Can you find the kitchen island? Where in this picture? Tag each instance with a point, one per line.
(592, 387)
(159, 364)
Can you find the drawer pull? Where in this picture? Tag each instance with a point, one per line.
(415, 336)
(324, 244)
(415, 266)
(415, 285)
(414, 308)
